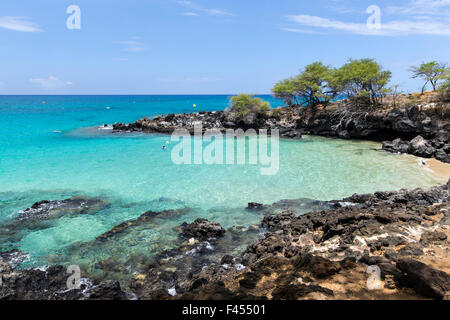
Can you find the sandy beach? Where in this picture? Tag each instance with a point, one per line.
(439, 168)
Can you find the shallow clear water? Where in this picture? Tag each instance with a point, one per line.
(46, 152)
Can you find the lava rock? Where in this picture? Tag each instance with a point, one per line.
(424, 279)
(254, 205)
(54, 209)
(202, 229)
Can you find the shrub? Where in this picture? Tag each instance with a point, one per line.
(245, 103)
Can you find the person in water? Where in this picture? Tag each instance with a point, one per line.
(164, 147)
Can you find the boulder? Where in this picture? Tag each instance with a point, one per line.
(424, 279)
(107, 290)
(202, 229)
(429, 237)
(410, 250)
(277, 221)
(254, 205)
(398, 145)
(421, 147)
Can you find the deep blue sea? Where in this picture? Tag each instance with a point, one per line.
(51, 148)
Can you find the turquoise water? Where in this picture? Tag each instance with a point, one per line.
(50, 151)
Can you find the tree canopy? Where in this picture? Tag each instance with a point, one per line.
(363, 79)
(431, 72)
(311, 87)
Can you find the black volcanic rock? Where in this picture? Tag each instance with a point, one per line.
(54, 209)
(424, 279)
(202, 229)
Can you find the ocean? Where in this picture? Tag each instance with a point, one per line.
(51, 148)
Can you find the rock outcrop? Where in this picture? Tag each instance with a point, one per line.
(51, 284)
(46, 209)
(327, 254)
(215, 120)
(437, 147)
(202, 229)
(417, 127)
(386, 245)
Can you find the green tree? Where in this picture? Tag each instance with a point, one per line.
(431, 72)
(444, 88)
(311, 87)
(363, 80)
(245, 103)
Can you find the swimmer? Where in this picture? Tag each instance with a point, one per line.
(164, 147)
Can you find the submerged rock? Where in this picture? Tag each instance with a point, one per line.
(254, 205)
(146, 219)
(54, 209)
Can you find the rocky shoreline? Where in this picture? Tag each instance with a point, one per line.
(420, 127)
(400, 237)
(323, 254)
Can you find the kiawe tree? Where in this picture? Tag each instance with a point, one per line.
(431, 72)
(363, 80)
(311, 87)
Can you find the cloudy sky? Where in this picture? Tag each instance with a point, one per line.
(207, 46)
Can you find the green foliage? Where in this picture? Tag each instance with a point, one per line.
(363, 80)
(312, 86)
(414, 99)
(432, 72)
(276, 112)
(245, 103)
(444, 88)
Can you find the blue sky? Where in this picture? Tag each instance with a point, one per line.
(207, 46)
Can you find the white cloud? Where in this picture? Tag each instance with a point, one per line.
(302, 30)
(132, 45)
(131, 42)
(199, 8)
(51, 82)
(134, 49)
(412, 17)
(423, 7)
(191, 14)
(18, 24)
(391, 28)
